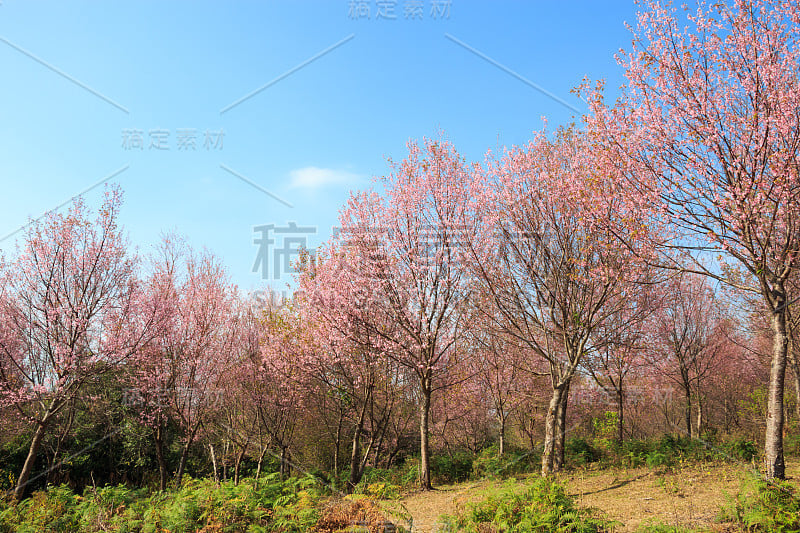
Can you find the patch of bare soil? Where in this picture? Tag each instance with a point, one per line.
(425, 508)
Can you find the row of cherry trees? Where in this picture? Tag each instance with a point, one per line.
(557, 245)
(502, 275)
(390, 324)
(654, 244)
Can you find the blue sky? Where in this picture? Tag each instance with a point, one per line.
(84, 83)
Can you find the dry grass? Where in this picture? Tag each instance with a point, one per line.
(427, 507)
(362, 515)
(689, 496)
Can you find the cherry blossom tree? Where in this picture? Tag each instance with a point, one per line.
(179, 373)
(552, 274)
(503, 372)
(283, 383)
(706, 137)
(72, 310)
(691, 335)
(347, 359)
(206, 315)
(154, 366)
(620, 346)
(238, 422)
(404, 251)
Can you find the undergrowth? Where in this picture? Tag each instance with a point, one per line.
(764, 506)
(263, 506)
(543, 507)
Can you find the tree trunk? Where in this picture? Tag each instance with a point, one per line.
(355, 460)
(687, 411)
(22, 482)
(283, 463)
(53, 465)
(158, 437)
(184, 456)
(773, 442)
(424, 464)
(379, 444)
(213, 462)
(502, 434)
(561, 433)
(286, 468)
(237, 466)
(261, 461)
(620, 416)
(355, 452)
(550, 432)
(181, 466)
(337, 447)
(225, 460)
(699, 425)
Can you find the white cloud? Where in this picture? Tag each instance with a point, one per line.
(315, 178)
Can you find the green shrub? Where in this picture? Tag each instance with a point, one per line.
(451, 468)
(581, 451)
(383, 491)
(639, 448)
(605, 430)
(656, 459)
(669, 445)
(543, 507)
(43, 511)
(405, 475)
(490, 464)
(668, 450)
(791, 444)
(763, 506)
(266, 505)
(741, 449)
(117, 508)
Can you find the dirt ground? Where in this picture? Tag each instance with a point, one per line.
(690, 496)
(427, 507)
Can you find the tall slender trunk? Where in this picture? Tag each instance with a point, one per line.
(24, 476)
(727, 416)
(550, 431)
(687, 411)
(502, 434)
(337, 447)
(53, 465)
(184, 457)
(225, 459)
(238, 465)
(158, 437)
(794, 364)
(424, 415)
(620, 416)
(561, 433)
(261, 461)
(181, 466)
(379, 444)
(213, 462)
(699, 424)
(773, 442)
(355, 452)
(286, 468)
